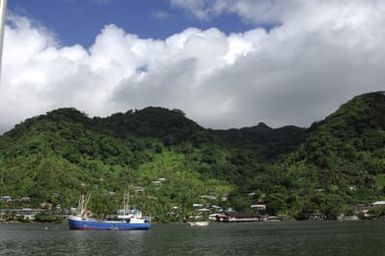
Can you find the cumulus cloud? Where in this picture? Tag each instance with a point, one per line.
(322, 54)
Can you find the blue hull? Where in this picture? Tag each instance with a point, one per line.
(100, 225)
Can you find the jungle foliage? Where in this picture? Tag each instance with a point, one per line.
(168, 162)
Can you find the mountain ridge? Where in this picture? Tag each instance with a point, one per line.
(64, 153)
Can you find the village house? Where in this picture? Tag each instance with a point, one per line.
(157, 182)
(258, 207)
(204, 210)
(378, 204)
(6, 198)
(25, 199)
(208, 197)
(138, 189)
(26, 214)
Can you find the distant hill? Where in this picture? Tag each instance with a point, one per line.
(268, 141)
(170, 161)
(170, 126)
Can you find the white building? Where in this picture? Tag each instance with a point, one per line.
(379, 203)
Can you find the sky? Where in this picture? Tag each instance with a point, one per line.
(225, 63)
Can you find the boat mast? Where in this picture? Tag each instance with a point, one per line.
(3, 10)
(126, 202)
(82, 205)
(86, 201)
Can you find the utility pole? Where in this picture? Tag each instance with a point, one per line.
(3, 11)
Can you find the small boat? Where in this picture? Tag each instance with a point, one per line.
(199, 223)
(198, 219)
(126, 219)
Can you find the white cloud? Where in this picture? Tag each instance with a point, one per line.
(324, 53)
(199, 8)
(281, 11)
(160, 15)
(253, 11)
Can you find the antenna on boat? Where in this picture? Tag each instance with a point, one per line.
(3, 10)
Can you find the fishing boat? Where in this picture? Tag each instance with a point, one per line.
(125, 219)
(198, 223)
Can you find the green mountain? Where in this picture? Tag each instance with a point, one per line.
(169, 162)
(341, 163)
(159, 153)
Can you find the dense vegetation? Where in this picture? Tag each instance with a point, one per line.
(168, 162)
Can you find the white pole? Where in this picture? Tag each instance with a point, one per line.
(3, 10)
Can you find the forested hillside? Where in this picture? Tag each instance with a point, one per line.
(169, 162)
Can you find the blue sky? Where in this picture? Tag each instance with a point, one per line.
(79, 21)
(210, 58)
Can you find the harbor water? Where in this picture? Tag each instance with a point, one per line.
(280, 238)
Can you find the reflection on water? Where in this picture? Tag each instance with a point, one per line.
(38, 239)
(106, 242)
(294, 238)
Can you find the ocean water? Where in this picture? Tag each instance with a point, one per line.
(281, 238)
